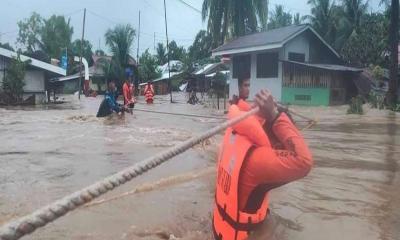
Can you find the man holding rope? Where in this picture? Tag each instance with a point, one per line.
(249, 167)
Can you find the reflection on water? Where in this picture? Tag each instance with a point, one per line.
(49, 151)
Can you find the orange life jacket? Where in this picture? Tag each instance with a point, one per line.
(149, 92)
(229, 222)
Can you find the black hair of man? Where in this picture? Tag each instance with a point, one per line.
(243, 78)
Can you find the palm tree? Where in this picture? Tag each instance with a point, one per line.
(394, 62)
(161, 54)
(232, 18)
(324, 18)
(354, 10)
(120, 41)
(279, 18)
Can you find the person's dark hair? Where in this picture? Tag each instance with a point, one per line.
(243, 78)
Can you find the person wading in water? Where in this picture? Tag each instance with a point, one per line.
(110, 104)
(249, 166)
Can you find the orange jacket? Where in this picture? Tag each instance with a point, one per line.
(149, 91)
(128, 93)
(248, 168)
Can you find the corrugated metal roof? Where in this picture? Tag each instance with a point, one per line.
(274, 36)
(34, 62)
(331, 67)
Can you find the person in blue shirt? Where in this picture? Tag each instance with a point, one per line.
(110, 104)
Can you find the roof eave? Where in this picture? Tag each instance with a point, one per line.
(247, 49)
(34, 62)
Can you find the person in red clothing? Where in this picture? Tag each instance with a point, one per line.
(149, 92)
(129, 100)
(249, 167)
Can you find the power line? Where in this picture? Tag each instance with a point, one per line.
(102, 17)
(190, 6)
(73, 13)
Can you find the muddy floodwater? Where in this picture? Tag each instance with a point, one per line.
(49, 151)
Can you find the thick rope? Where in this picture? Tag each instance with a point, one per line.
(29, 223)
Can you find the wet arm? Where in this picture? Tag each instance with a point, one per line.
(278, 167)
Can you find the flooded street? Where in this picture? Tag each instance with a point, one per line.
(49, 151)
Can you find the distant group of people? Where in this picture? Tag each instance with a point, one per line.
(110, 105)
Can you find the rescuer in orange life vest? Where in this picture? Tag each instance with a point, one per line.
(149, 92)
(249, 166)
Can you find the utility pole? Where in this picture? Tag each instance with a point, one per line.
(138, 41)
(169, 70)
(154, 42)
(81, 53)
(137, 61)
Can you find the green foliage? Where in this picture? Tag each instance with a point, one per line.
(376, 100)
(6, 46)
(356, 106)
(201, 47)
(161, 54)
(176, 52)
(120, 41)
(13, 83)
(234, 17)
(56, 35)
(30, 30)
(87, 50)
(377, 73)
(99, 52)
(279, 18)
(148, 67)
(324, 18)
(396, 108)
(368, 44)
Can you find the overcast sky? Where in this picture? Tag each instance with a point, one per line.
(183, 21)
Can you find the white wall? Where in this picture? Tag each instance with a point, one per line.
(272, 84)
(256, 84)
(300, 44)
(34, 81)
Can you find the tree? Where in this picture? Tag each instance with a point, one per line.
(13, 82)
(368, 45)
(279, 18)
(201, 47)
(297, 19)
(176, 52)
(394, 52)
(148, 67)
(99, 52)
(354, 11)
(234, 18)
(29, 33)
(120, 41)
(6, 46)
(87, 50)
(161, 54)
(56, 35)
(323, 18)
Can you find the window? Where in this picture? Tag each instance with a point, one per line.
(241, 66)
(302, 97)
(297, 57)
(267, 65)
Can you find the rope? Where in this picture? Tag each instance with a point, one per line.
(29, 223)
(164, 182)
(179, 114)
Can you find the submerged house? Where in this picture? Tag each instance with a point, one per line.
(295, 63)
(37, 75)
